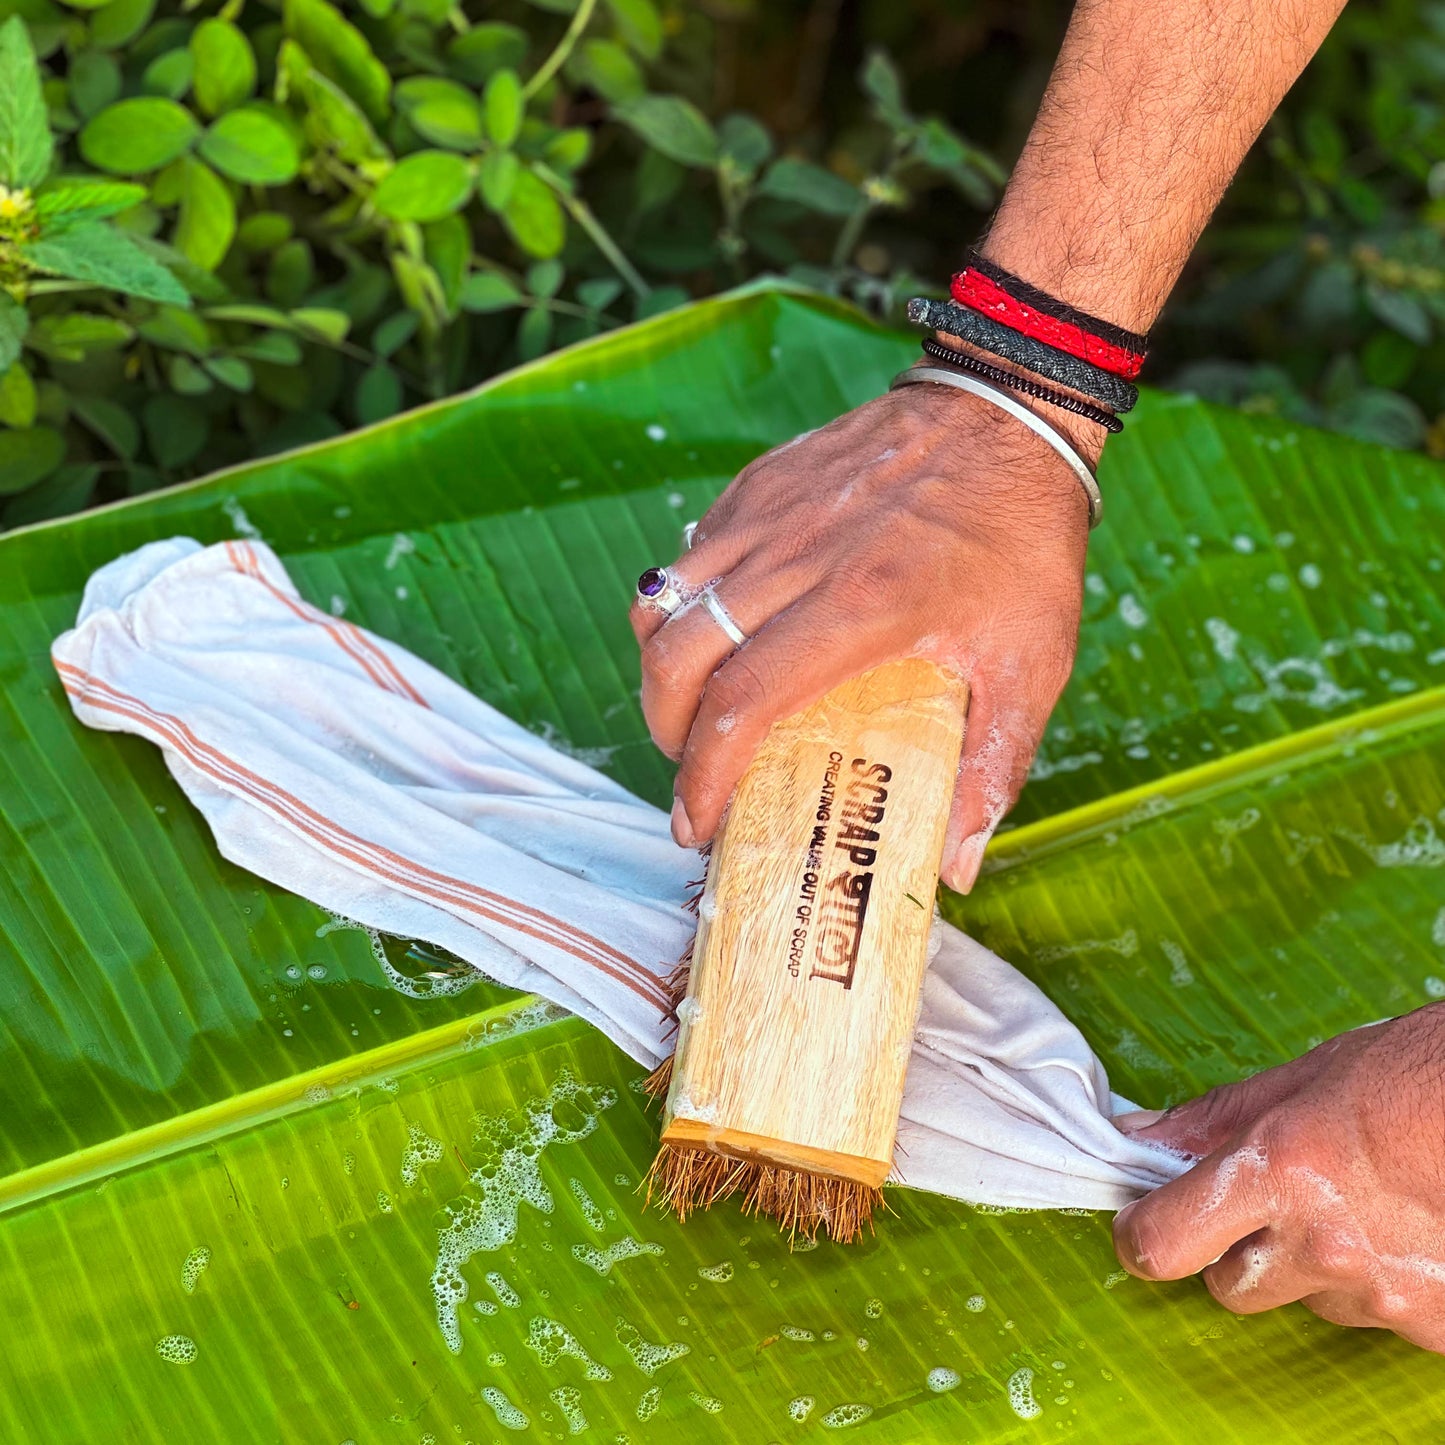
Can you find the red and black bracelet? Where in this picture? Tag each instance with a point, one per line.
(988, 289)
(1060, 367)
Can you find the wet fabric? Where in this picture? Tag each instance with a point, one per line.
(345, 769)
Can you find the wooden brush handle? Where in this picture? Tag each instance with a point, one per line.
(795, 1034)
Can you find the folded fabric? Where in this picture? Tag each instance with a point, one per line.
(347, 770)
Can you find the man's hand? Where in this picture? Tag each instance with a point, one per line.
(924, 524)
(1321, 1181)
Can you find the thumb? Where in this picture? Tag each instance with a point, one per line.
(1003, 733)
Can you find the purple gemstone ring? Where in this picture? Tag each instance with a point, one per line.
(657, 588)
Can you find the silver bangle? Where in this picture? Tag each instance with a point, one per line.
(1006, 401)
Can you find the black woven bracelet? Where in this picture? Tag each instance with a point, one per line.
(1048, 305)
(1025, 384)
(1036, 356)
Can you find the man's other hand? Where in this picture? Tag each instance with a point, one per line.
(1321, 1181)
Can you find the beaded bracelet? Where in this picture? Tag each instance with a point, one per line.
(987, 287)
(1025, 384)
(1036, 356)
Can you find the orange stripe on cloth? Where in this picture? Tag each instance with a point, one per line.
(405, 873)
(362, 649)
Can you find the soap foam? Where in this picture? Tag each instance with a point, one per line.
(507, 1150)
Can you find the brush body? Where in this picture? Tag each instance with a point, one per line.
(797, 1022)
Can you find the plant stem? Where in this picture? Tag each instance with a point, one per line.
(558, 58)
(848, 236)
(582, 214)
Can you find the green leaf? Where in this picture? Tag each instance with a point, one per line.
(27, 457)
(25, 144)
(496, 175)
(94, 251)
(502, 107)
(394, 333)
(291, 272)
(544, 278)
(477, 54)
(378, 394)
(808, 185)
(265, 230)
(252, 146)
(65, 490)
(534, 334)
(156, 1106)
(18, 405)
(66, 199)
(14, 323)
(424, 187)
(447, 245)
(95, 81)
(600, 293)
(225, 66)
(119, 22)
(1399, 311)
(640, 25)
(135, 136)
(441, 111)
(207, 222)
(341, 53)
(177, 330)
(569, 149)
(110, 421)
(882, 81)
(232, 372)
(333, 121)
(604, 66)
(168, 75)
(485, 291)
(187, 377)
(73, 335)
(331, 326)
(176, 430)
(534, 216)
(673, 126)
(745, 141)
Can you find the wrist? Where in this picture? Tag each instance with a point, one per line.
(1085, 436)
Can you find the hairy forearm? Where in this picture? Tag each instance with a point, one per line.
(1149, 111)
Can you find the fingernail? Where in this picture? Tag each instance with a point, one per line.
(967, 862)
(1139, 1119)
(682, 826)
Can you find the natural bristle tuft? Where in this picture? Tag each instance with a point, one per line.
(684, 1179)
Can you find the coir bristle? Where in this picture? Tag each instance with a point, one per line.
(683, 1179)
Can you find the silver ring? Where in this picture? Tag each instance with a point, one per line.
(688, 532)
(720, 615)
(657, 587)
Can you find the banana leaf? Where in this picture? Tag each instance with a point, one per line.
(242, 1144)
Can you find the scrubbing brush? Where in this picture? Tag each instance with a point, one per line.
(796, 1010)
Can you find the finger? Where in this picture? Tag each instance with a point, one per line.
(1341, 1308)
(1187, 1224)
(1006, 720)
(786, 667)
(1260, 1273)
(689, 573)
(1200, 1126)
(678, 660)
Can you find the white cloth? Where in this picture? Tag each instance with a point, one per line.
(347, 770)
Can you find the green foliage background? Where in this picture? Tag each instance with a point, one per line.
(257, 223)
